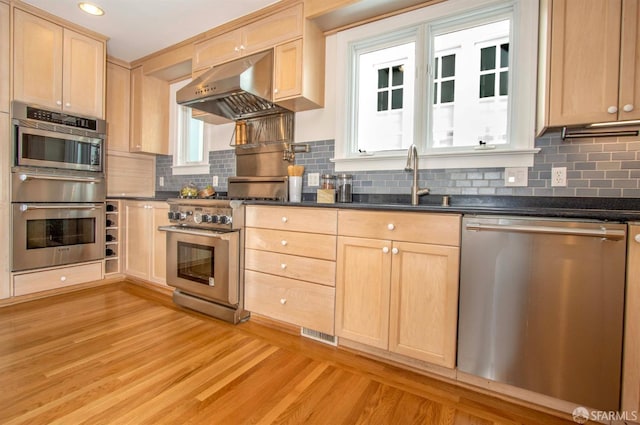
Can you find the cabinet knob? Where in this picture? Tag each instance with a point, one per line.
(67, 105)
(285, 219)
(637, 237)
(394, 251)
(242, 47)
(385, 250)
(283, 242)
(283, 301)
(275, 91)
(612, 109)
(63, 278)
(59, 102)
(236, 49)
(628, 107)
(283, 266)
(391, 226)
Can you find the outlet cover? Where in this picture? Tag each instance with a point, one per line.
(214, 181)
(559, 176)
(161, 182)
(516, 176)
(313, 179)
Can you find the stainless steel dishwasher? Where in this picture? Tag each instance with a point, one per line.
(541, 306)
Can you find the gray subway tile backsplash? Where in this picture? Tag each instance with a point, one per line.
(603, 167)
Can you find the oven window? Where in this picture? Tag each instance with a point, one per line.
(45, 148)
(195, 262)
(47, 233)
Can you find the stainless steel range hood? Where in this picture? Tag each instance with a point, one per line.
(235, 90)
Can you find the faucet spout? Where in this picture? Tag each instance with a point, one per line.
(412, 165)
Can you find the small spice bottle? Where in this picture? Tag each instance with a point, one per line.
(327, 181)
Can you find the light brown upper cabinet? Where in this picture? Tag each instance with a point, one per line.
(118, 107)
(57, 67)
(281, 26)
(149, 125)
(589, 62)
(5, 45)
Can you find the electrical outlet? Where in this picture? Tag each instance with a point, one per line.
(161, 182)
(313, 179)
(214, 181)
(559, 176)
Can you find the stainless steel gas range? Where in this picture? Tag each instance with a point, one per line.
(205, 256)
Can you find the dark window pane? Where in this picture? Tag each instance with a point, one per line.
(448, 91)
(383, 78)
(448, 66)
(383, 101)
(487, 85)
(435, 93)
(437, 73)
(396, 99)
(397, 78)
(488, 58)
(504, 83)
(504, 55)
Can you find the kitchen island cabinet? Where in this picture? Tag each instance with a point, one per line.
(146, 248)
(290, 265)
(589, 76)
(397, 283)
(57, 67)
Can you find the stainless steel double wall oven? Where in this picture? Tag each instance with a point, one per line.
(57, 188)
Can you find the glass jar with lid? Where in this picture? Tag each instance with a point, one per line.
(327, 181)
(344, 185)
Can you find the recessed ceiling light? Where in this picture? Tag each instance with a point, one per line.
(91, 9)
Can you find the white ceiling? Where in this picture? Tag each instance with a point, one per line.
(137, 28)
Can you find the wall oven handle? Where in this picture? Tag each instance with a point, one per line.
(550, 230)
(33, 207)
(26, 177)
(197, 232)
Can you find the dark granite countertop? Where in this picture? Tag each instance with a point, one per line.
(159, 196)
(610, 209)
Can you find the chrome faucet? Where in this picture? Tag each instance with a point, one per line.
(412, 165)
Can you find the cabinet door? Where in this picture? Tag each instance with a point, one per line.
(288, 70)
(363, 280)
(5, 61)
(159, 257)
(130, 175)
(424, 302)
(274, 29)
(149, 125)
(216, 50)
(37, 75)
(629, 102)
(83, 75)
(138, 239)
(631, 367)
(584, 68)
(118, 108)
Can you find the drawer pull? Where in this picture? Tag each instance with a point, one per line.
(394, 251)
(63, 278)
(283, 242)
(637, 237)
(285, 219)
(385, 250)
(283, 301)
(283, 266)
(391, 226)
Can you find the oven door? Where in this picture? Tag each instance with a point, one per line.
(44, 148)
(46, 235)
(204, 263)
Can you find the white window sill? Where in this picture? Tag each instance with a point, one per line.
(467, 159)
(183, 170)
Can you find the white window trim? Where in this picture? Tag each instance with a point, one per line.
(178, 169)
(519, 154)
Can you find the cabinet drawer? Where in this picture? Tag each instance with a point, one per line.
(440, 229)
(29, 283)
(295, 243)
(291, 301)
(291, 266)
(312, 220)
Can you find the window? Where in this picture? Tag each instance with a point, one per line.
(441, 77)
(187, 138)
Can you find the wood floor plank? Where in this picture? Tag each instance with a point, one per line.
(122, 354)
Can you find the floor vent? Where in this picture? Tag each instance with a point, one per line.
(319, 336)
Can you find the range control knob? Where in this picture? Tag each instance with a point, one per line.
(183, 216)
(206, 218)
(215, 219)
(197, 218)
(225, 219)
(170, 215)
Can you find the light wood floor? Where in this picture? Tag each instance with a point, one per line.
(119, 354)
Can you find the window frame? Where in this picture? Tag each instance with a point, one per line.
(423, 22)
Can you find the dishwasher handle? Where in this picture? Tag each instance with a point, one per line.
(603, 232)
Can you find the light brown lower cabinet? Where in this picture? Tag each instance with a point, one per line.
(631, 366)
(55, 278)
(400, 296)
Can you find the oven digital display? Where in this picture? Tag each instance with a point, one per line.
(57, 232)
(196, 263)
